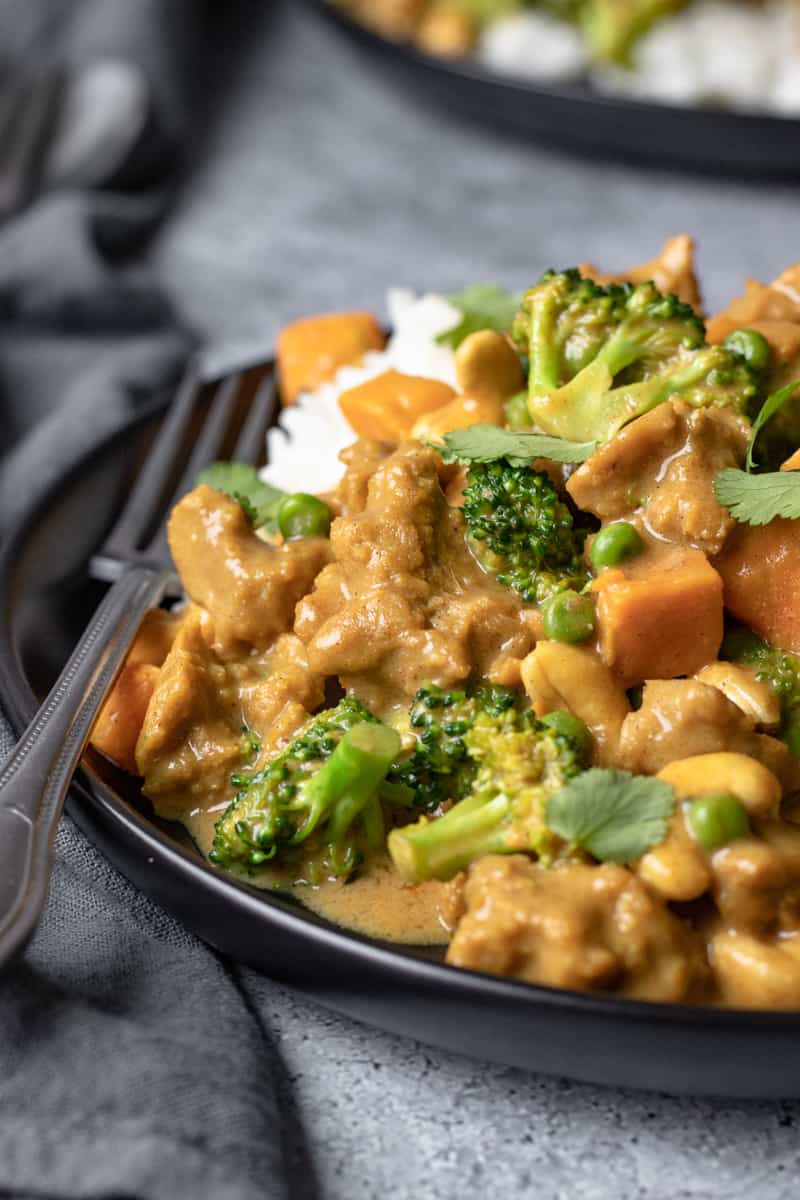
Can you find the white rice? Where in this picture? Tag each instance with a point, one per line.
(304, 450)
(727, 52)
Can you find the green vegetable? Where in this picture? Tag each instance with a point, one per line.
(568, 617)
(519, 762)
(771, 407)
(303, 516)
(250, 745)
(750, 345)
(516, 410)
(775, 667)
(600, 356)
(259, 500)
(482, 306)
(439, 767)
(612, 27)
(316, 801)
(491, 443)
(485, 11)
(614, 816)
(521, 531)
(615, 544)
(571, 727)
(759, 499)
(717, 819)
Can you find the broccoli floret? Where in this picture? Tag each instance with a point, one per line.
(319, 797)
(779, 669)
(439, 768)
(612, 27)
(600, 356)
(522, 531)
(518, 763)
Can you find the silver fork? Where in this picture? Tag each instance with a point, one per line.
(206, 421)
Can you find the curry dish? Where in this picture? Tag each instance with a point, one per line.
(526, 682)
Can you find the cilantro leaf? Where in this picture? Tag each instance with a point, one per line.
(758, 499)
(259, 500)
(488, 443)
(613, 815)
(769, 408)
(482, 306)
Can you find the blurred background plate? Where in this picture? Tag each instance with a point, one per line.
(575, 116)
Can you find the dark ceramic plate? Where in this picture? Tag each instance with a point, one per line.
(574, 115)
(46, 598)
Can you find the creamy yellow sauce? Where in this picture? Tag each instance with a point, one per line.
(376, 903)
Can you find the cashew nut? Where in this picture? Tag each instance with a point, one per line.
(678, 868)
(487, 365)
(558, 675)
(757, 700)
(750, 781)
(755, 974)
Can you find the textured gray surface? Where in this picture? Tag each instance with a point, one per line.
(322, 183)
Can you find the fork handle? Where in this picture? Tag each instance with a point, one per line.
(35, 779)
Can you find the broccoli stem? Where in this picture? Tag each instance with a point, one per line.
(348, 779)
(440, 849)
(543, 348)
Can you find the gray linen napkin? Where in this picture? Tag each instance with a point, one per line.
(131, 1065)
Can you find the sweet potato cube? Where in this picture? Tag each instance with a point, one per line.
(387, 407)
(311, 351)
(116, 730)
(659, 616)
(760, 567)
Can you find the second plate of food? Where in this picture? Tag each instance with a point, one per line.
(712, 85)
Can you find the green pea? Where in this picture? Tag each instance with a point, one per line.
(717, 819)
(750, 345)
(569, 726)
(517, 414)
(615, 544)
(302, 516)
(568, 617)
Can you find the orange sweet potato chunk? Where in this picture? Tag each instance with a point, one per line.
(117, 728)
(387, 407)
(760, 567)
(311, 351)
(659, 616)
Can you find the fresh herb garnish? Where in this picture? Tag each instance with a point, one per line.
(759, 499)
(482, 306)
(772, 405)
(613, 815)
(259, 500)
(489, 443)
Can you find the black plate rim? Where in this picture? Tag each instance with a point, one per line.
(20, 705)
(464, 70)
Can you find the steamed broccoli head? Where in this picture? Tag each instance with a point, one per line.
(517, 763)
(600, 356)
(522, 531)
(439, 769)
(612, 27)
(317, 801)
(779, 669)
